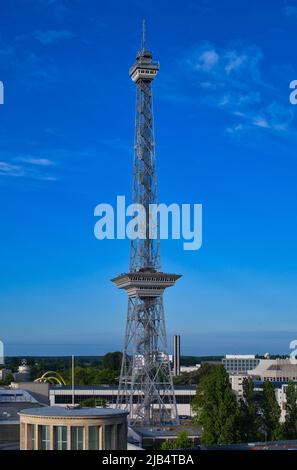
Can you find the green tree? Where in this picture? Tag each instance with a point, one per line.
(8, 379)
(181, 442)
(189, 378)
(167, 445)
(91, 376)
(290, 425)
(106, 376)
(112, 360)
(249, 421)
(216, 408)
(270, 413)
(92, 402)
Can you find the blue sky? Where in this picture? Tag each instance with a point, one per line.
(225, 137)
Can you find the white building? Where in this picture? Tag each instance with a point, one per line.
(237, 382)
(184, 395)
(239, 363)
(187, 369)
(275, 370)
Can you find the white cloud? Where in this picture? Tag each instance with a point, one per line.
(261, 122)
(235, 129)
(231, 79)
(9, 169)
(234, 61)
(32, 168)
(207, 60)
(51, 36)
(36, 161)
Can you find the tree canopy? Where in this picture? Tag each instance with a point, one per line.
(216, 408)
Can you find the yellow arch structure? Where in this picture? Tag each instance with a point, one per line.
(51, 376)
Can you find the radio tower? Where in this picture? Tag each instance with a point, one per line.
(145, 387)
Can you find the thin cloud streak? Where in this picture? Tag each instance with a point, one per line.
(230, 79)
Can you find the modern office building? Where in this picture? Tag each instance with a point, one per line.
(239, 363)
(61, 396)
(63, 428)
(276, 371)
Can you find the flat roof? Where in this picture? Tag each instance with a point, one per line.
(67, 412)
(240, 356)
(108, 387)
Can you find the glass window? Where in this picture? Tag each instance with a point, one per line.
(77, 438)
(93, 438)
(60, 437)
(32, 436)
(107, 437)
(45, 438)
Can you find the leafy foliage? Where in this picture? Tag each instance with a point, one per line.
(290, 425)
(112, 360)
(190, 378)
(181, 442)
(8, 379)
(270, 413)
(92, 402)
(216, 408)
(249, 419)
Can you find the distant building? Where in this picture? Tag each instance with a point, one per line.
(63, 428)
(280, 394)
(239, 363)
(62, 396)
(38, 390)
(11, 402)
(237, 382)
(24, 372)
(275, 370)
(188, 369)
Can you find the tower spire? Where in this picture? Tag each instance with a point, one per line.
(143, 44)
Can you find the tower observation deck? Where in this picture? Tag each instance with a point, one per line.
(145, 388)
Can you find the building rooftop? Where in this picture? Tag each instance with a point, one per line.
(15, 395)
(9, 412)
(109, 387)
(240, 356)
(67, 412)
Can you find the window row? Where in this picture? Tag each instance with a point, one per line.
(39, 438)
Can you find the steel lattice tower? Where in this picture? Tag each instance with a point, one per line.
(145, 387)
